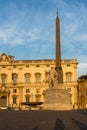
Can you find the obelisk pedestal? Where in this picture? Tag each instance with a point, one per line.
(57, 99)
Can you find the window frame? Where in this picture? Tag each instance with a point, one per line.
(14, 100)
(3, 78)
(68, 77)
(14, 78)
(27, 77)
(38, 77)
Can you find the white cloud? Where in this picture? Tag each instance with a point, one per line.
(81, 37)
(13, 36)
(10, 36)
(36, 28)
(74, 30)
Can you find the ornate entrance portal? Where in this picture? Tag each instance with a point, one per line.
(4, 97)
(3, 101)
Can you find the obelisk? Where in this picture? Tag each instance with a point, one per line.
(58, 51)
(57, 97)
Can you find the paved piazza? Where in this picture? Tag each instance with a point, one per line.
(43, 120)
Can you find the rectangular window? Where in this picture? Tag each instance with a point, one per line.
(14, 100)
(14, 66)
(68, 65)
(27, 66)
(14, 80)
(3, 77)
(37, 65)
(27, 79)
(38, 78)
(68, 77)
(27, 90)
(37, 90)
(14, 90)
(3, 66)
(48, 65)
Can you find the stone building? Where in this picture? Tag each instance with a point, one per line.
(82, 92)
(24, 80)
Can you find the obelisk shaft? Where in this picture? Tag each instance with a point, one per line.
(58, 51)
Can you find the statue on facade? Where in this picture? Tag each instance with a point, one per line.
(52, 77)
(6, 58)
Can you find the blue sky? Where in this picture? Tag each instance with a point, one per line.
(27, 29)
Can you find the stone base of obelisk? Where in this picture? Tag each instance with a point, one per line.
(57, 99)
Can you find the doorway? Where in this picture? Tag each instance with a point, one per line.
(3, 101)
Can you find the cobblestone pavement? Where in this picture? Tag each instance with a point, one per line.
(43, 120)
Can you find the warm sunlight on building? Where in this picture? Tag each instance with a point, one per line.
(24, 80)
(82, 92)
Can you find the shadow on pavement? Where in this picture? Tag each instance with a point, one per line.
(83, 112)
(35, 128)
(79, 124)
(59, 125)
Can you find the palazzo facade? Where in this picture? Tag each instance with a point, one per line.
(24, 80)
(82, 92)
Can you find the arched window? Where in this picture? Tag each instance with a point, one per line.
(3, 101)
(37, 77)
(14, 78)
(68, 77)
(3, 77)
(27, 77)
